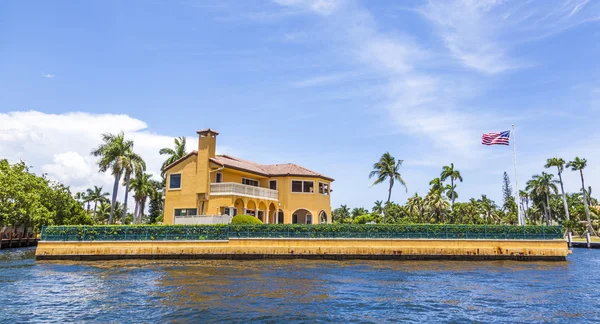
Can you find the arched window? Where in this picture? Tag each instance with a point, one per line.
(322, 217)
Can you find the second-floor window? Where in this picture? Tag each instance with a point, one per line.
(303, 186)
(175, 181)
(273, 184)
(250, 182)
(323, 188)
(219, 177)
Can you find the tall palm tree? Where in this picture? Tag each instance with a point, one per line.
(142, 188)
(174, 154)
(559, 164)
(450, 172)
(387, 168)
(113, 153)
(133, 164)
(579, 164)
(543, 185)
(96, 195)
(487, 208)
(437, 204)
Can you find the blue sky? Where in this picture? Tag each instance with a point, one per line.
(330, 85)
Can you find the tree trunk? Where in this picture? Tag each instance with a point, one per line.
(114, 197)
(387, 205)
(549, 209)
(585, 203)
(452, 192)
(95, 206)
(135, 211)
(142, 207)
(127, 179)
(562, 190)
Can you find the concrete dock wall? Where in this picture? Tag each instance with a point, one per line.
(258, 248)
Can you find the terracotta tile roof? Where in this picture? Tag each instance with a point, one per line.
(181, 159)
(286, 169)
(207, 130)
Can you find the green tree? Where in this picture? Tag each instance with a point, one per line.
(560, 165)
(453, 174)
(543, 185)
(155, 208)
(387, 168)
(143, 188)
(579, 164)
(416, 206)
(341, 214)
(174, 154)
(113, 153)
(437, 185)
(378, 207)
(96, 195)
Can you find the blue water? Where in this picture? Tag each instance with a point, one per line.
(299, 290)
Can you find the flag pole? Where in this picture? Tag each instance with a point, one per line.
(514, 143)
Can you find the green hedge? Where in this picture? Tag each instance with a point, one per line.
(224, 232)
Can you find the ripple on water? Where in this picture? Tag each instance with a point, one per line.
(299, 290)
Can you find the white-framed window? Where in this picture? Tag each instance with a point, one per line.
(250, 182)
(273, 184)
(302, 186)
(186, 211)
(323, 188)
(219, 177)
(231, 211)
(175, 181)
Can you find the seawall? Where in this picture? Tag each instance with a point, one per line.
(266, 248)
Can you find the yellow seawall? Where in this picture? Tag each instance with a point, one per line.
(259, 248)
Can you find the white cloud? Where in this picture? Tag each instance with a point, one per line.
(60, 144)
(321, 80)
(48, 75)
(321, 7)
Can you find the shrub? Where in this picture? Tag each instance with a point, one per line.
(245, 219)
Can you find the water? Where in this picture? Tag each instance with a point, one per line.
(299, 290)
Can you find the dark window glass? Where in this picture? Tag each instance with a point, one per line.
(294, 219)
(186, 212)
(280, 218)
(296, 186)
(219, 177)
(273, 185)
(175, 181)
(250, 182)
(309, 186)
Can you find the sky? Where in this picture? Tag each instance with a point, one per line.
(329, 85)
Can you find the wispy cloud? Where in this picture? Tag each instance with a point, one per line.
(322, 80)
(48, 75)
(483, 34)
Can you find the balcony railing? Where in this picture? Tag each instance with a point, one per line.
(232, 188)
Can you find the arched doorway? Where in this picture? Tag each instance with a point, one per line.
(239, 207)
(322, 217)
(302, 216)
(280, 218)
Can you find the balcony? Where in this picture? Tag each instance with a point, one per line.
(238, 189)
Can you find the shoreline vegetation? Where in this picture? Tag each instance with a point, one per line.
(29, 201)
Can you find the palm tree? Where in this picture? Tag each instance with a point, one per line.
(543, 185)
(387, 168)
(132, 164)
(559, 164)
(579, 164)
(451, 192)
(487, 208)
(378, 207)
(437, 204)
(437, 185)
(416, 206)
(103, 211)
(96, 195)
(174, 154)
(142, 188)
(450, 172)
(113, 155)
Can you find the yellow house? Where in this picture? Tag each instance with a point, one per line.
(203, 183)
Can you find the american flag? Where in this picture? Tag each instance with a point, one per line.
(501, 138)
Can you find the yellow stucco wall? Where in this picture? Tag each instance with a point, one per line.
(518, 249)
(197, 172)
